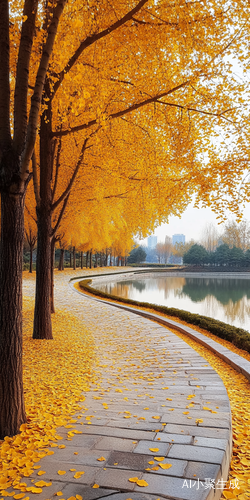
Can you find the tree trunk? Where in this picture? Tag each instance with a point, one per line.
(81, 260)
(31, 259)
(52, 247)
(74, 257)
(87, 258)
(70, 259)
(12, 413)
(90, 259)
(61, 260)
(42, 316)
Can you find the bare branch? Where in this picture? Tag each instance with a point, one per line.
(40, 80)
(22, 74)
(93, 38)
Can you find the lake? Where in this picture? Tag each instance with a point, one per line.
(224, 298)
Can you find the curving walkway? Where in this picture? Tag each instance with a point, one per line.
(159, 414)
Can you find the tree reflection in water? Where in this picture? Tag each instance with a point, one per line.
(226, 299)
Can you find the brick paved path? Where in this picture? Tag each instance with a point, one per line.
(138, 413)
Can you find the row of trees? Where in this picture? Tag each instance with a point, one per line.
(105, 116)
(223, 255)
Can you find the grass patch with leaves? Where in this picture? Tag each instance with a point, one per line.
(56, 373)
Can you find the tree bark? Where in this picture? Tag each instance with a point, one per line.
(42, 316)
(87, 259)
(90, 259)
(81, 260)
(52, 302)
(31, 259)
(12, 413)
(70, 259)
(74, 257)
(61, 260)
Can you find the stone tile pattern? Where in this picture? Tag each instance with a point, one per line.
(148, 403)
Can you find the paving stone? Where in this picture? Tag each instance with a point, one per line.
(198, 453)
(52, 468)
(171, 486)
(178, 418)
(112, 443)
(48, 491)
(201, 470)
(119, 432)
(87, 492)
(177, 467)
(144, 447)
(141, 425)
(131, 461)
(84, 441)
(174, 438)
(136, 496)
(193, 430)
(84, 457)
(117, 478)
(220, 444)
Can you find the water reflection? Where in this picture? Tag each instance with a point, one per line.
(226, 299)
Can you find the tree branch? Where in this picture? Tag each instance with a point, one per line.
(39, 86)
(92, 39)
(218, 115)
(123, 112)
(5, 134)
(68, 188)
(57, 168)
(22, 74)
(30, 214)
(35, 179)
(54, 230)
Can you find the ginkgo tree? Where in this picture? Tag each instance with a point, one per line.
(70, 70)
(106, 75)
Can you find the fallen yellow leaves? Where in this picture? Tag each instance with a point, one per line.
(139, 482)
(239, 395)
(48, 385)
(78, 474)
(165, 466)
(154, 449)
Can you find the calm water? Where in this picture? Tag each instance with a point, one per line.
(225, 299)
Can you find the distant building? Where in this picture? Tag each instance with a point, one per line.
(176, 259)
(178, 238)
(152, 242)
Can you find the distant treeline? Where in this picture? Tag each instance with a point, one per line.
(222, 256)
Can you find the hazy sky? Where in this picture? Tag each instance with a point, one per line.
(192, 224)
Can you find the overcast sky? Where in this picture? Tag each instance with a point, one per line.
(192, 224)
